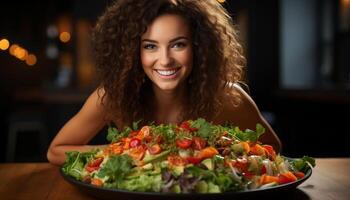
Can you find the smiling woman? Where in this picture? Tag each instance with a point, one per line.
(170, 61)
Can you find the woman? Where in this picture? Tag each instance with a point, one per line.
(163, 61)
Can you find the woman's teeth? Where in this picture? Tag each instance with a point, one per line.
(167, 72)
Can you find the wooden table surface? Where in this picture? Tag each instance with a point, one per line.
(330, 180)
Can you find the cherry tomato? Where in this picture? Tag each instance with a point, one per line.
(94, 165)
(184, 143)
(198, 143)
(135, 142)
(194, 160)
(186, 126)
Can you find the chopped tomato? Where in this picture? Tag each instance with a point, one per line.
(286, 178)
(198, 143)
(263, 170)
(248, 175)
(94, 165)
(257, 149)
(176, 160)
(241, 164)
(270, 152)
(299, 175)
(155, 149)
(135, 142)
(186, 126)
(184, 143)
(193, 159)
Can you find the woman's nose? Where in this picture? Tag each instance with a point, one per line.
(165, 58)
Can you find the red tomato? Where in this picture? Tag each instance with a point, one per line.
(94, 165)
(134, 142)
(194, 160)
(242, 164)
(270, 152)
(198, 143)
(299, 175)
(184, 143)
(263, 170)
(155, 149)
(186, 125)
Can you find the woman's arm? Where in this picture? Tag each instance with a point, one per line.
(78, 131)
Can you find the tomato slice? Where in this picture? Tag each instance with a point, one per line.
(184, 143)
(186, 126)
(198, 143)
(155, 149)
(194, 160)
(94, 165)
(135, 142)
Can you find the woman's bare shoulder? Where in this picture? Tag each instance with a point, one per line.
(241, 111)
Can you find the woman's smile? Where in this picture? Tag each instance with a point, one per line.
(167, 73)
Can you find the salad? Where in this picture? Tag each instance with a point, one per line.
(193, 157)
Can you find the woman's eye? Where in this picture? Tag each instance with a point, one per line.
(179, 45)
(149, 46)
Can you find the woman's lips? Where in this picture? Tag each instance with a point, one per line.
(167, 73)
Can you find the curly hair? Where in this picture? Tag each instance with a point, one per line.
(217, 57)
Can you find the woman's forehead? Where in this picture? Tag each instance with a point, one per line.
(166, 27)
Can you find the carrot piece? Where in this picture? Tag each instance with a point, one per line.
(264, 179)
(97, 182)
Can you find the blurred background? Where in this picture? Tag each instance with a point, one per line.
(298, 71)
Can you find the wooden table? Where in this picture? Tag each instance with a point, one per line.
(330, 180)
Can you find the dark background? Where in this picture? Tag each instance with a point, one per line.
(298, 71)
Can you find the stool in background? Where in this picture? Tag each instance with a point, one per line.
(21, 123)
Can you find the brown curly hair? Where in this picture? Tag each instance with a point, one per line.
(217, 57)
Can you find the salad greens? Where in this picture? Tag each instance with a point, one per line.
(193, 157)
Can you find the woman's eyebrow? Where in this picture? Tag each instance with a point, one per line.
(173, 40)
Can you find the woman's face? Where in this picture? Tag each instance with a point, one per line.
(166, 52)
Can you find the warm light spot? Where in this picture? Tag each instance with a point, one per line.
(13, 49)
(31, 60)
(65, 36)
(22, 54)
(4, 44)
(221, 1)
(345, 2)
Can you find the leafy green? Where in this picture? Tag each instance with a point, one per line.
(116, 168)
(143, 183)
(303, 164)
(205, 129)
(249, 135)
(114, 135)
(75, 163)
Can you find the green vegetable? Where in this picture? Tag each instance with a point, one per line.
(116, 168)
(75, 163)
(302, 164)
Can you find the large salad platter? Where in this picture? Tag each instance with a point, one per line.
(195, 159)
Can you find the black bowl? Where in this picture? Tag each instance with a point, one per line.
(275, 192)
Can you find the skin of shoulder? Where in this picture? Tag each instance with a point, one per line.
(246, 115)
